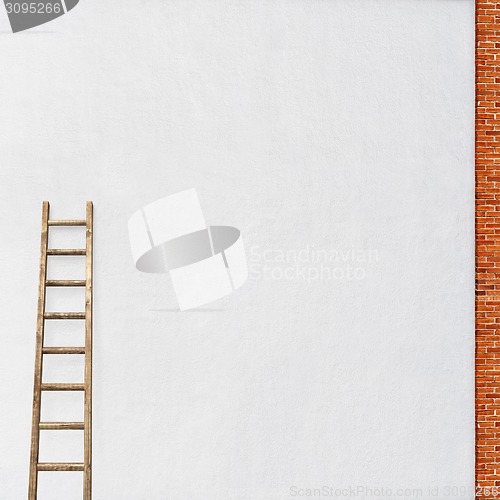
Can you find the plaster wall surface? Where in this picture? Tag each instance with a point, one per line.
(338, 137)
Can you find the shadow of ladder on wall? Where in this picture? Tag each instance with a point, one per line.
(41, 351)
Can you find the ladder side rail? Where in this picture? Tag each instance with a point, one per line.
(87, 479)
(37, 383)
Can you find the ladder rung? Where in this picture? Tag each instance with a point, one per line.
(60, 467)
(55, 222)
(62, 426)
(67, 315)
(66, 251)
(65, 282)
(63, 387)
(63, 350)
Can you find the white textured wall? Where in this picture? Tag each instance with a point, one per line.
(334, 125)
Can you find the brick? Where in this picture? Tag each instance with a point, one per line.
(487, 154)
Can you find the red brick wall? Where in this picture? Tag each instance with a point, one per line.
(488, 248)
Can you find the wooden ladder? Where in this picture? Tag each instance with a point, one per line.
(41, 351)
